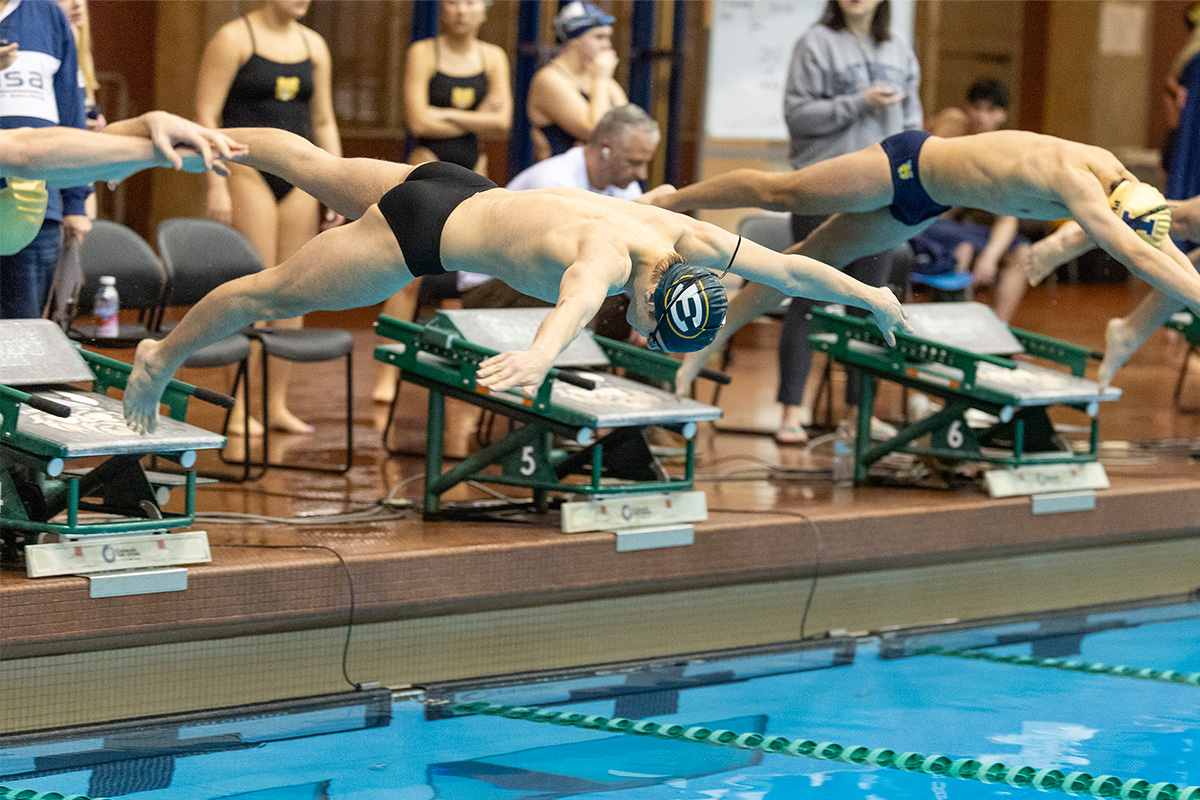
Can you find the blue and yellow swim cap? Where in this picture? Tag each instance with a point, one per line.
(1142, 207)
(22, 212)
(689, 308)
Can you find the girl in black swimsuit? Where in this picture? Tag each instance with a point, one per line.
(268, 70)
(456, 90)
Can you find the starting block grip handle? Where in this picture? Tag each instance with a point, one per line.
(216, 398)
(566, 376)
(715, 375)
(48, 406)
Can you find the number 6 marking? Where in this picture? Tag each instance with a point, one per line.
(954, 435)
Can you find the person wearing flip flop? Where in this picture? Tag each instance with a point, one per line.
(568, 246)
(891, 191)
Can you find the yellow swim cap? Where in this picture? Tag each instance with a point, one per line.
(22, 212)
(1143, 208)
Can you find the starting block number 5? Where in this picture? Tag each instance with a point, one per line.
(528, 463)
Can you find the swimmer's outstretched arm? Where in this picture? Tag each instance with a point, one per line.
(582, 290)
(1165, 268)
(347, 185)
(74, 157)
(774, 276)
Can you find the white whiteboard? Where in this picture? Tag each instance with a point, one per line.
(748, 53)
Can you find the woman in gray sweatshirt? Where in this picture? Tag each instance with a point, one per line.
(850, 84)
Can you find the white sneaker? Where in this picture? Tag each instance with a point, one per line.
(980, 419)
(882, 430)
(921, 406)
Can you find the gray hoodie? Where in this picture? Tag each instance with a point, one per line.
(823, 103)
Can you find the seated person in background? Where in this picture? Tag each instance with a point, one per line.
(562, 245)
(890, 191)
(613, 162)
(568, 96)
(969, 240)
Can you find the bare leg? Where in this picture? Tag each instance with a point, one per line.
(1185, 218)
(347, 185)
(401, 305)
(255, 216)
(1010, 287)
(844, 238)
(297, 223)
(355, 265)
(1048, 254)
(1124, 335)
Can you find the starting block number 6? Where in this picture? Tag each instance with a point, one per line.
(954, 435)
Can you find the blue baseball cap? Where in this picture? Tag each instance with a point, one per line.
(577, 18)
(689, 308)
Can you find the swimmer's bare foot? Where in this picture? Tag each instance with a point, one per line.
(144, 388)
(287, 422)
(1041, 263)
(1118, 347)
(236, 426)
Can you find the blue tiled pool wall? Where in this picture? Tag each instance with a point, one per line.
(853, 691)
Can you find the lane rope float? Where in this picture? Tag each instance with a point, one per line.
(1069, 665)
(994, 772)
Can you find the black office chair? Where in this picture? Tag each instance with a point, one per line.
(113, 249)
(200, 255)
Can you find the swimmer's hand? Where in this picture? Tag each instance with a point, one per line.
(889, 314)
(660, 196)
(524, 368)
(193, 161)
(169, 131)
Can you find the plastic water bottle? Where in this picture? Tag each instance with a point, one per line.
(843, 455)
(107, 307)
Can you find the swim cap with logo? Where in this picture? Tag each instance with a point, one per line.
(689, 309)
(1143, 208)
(22, 212)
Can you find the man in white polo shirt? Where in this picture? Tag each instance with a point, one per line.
(616, 157)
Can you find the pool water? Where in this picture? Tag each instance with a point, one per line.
(869, 691)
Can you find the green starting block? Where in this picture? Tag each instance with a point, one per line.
(49, 429)
(962, 354)
(600, 415)
(1186, 323)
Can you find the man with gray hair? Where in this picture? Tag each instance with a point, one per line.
(613, 162)
(616, 157)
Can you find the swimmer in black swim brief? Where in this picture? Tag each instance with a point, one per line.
(417, 210)
(567, 246)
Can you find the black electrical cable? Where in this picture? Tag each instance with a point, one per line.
(812, 589)
(349, 584)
